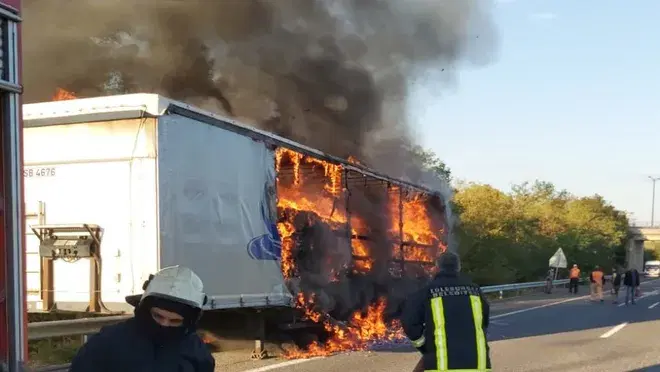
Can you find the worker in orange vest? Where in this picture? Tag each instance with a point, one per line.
(597, 278)
(574, 279)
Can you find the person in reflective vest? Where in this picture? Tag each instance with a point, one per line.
(597, 279)
(447, 320)
(574, 279)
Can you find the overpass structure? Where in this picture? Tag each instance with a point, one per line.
(635, 246)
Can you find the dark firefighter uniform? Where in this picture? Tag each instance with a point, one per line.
(447, 322)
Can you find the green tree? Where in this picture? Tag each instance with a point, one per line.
(429, 160)
(487, 217)
(651, 251)
(511, 236)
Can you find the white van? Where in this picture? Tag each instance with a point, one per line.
(652, 269)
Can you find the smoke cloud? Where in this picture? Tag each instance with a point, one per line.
(334, 75)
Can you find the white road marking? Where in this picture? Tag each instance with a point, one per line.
(299, 361)
(654, 305)
(647, 294)
(613, 330)
(282, 365)
(538, 307)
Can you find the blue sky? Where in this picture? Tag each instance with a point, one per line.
(572, 96)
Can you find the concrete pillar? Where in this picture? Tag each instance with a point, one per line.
(635, 254)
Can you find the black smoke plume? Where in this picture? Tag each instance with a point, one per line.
(334, 75)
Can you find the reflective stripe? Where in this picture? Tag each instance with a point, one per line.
(419, 342)
(477, 315)
(438, 311)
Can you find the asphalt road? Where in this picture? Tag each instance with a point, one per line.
(558, 332)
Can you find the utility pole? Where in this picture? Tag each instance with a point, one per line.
(654, 179)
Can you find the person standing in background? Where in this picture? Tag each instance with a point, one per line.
(616, 283)
(548, 280)
(631, 281)
(574, 279)
(597, 279)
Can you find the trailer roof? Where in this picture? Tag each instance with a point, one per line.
(94, 109)
(139, 105)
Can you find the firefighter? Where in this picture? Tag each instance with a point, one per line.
(447, 320)
(161, 337)
(574, 279)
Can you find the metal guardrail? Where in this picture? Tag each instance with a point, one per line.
(519, 286)
(71, 327)
(57, 368)
(88, 326)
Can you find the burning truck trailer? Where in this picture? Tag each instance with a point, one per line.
(283, 236)
(354, 244)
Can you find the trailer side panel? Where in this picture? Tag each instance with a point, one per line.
(217, 211)
(98, 173)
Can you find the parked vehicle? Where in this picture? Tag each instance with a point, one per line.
(652, 269)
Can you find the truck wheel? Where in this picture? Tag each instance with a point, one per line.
(304, 339)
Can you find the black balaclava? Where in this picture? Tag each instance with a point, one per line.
(156, 332)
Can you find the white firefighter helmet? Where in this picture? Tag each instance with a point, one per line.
(177, 283)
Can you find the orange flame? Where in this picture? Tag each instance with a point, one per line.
(313, 185)
(421, 243)
(353, 160)
(356, 334)
(63, 95)
(296, 198)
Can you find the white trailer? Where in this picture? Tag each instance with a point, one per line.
(169, 185)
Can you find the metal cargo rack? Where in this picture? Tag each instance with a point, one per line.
(379, 190)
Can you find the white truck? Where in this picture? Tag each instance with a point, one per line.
(652, 269)
(153, 182)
